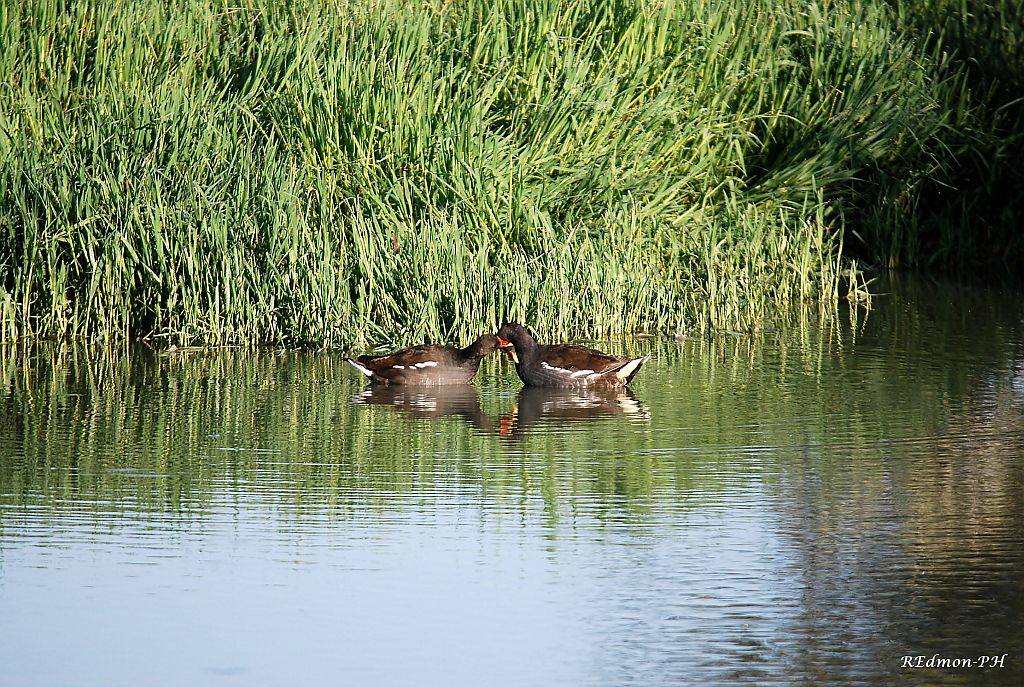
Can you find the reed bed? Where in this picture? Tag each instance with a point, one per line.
(348, 173)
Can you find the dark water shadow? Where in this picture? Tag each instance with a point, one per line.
(536, 406)
(430, 402)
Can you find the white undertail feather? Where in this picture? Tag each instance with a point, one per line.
(359, 367)
(629, 368)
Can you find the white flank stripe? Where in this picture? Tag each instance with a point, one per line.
(362, 369)
(398, 367)
(581, 373)
(426, 363)
(559, 370)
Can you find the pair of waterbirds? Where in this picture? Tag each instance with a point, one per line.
(563, 366)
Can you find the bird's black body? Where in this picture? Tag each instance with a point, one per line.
(565, 366)
(427, 364)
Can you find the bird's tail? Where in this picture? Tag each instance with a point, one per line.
(629, 369)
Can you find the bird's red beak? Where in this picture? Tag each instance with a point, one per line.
(507, 348)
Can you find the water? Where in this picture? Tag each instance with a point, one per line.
(800, 507)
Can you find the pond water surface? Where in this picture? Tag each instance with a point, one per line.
(798, 507)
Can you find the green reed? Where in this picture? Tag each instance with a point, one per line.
(196, 171)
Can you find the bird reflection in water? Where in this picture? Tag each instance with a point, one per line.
(430, 402)
(541, 405)
(533, 405)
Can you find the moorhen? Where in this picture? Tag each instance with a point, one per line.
(562, 365)
(427, 364)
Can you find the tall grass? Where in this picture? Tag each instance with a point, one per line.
(965, 212)
(351, 172)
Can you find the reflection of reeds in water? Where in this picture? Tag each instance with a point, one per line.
(81, 424)
(886, 465)
(74, 418)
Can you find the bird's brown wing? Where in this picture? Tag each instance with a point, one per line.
(576, 358)
(407, 357)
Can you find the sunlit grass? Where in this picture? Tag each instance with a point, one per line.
(353, 172)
